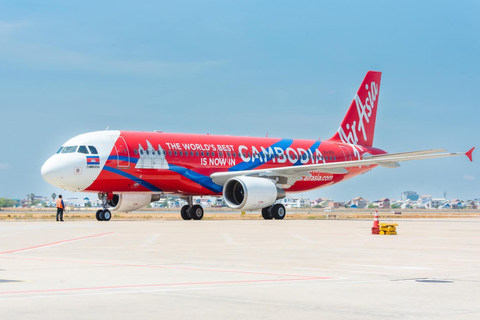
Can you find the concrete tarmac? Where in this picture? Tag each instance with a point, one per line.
(291, 269)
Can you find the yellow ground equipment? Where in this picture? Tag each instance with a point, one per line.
(388, 228)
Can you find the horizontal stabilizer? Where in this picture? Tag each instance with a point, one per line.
(469, 154)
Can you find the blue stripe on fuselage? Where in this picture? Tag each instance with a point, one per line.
(122, 158)
(196, 177)
(283, 144)
(312, 149)
(141, 182)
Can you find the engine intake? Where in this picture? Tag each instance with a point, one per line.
(251, 193)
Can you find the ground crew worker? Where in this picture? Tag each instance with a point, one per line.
(60, 207)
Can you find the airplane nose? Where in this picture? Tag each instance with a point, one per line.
(51, 172)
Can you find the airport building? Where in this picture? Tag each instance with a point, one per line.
(409, 195)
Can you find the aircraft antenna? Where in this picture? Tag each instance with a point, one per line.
(108, 127)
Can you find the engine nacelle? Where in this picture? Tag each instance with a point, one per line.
(128, 202)
(250, 193)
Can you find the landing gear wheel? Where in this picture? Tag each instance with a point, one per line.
(278, 211)
(266, 213)
(196, 212)
(184, 213)
(106, 215)
(97, 215)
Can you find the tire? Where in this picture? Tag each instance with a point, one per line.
(278, 211)
(196, 212)
(184, 213)
(97, 215)
(107, 215)
(267, 214)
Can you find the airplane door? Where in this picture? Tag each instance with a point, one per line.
(123, 155)
(346, 153)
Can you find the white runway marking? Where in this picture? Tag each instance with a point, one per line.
(303, 238)
(151, 240)
(228, 238)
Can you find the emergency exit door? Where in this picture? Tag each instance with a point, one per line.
(123, 155)
(346, 153)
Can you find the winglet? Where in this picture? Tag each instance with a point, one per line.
(469, 154)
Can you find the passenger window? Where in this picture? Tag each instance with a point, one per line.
(220, 153)
(228, 154)
(175, 153)
(202, 153)
(196, 153)
(191, 153)
(135, 151)
(70, 149)
(234, 155)
(181, 153)
(93, 150)
(169, 152)
(147, 152)
(82, 149)
(141, 151)
(60, 150)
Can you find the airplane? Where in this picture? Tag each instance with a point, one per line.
(130, 169)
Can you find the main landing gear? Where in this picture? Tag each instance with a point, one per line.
(276, 211)
(103, 214)
(191, 211)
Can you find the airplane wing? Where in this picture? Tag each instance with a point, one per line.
(289, 175)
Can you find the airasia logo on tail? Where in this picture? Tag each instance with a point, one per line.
(364, 112)
(357, 127)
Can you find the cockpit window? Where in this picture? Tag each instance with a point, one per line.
(60, 150)
(93, 150)
(82, 149)
(70, 149)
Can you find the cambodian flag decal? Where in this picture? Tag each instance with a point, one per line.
(93, 160)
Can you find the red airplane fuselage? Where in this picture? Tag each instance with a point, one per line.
(182, 163)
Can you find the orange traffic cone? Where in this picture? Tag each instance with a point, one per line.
(375, 228)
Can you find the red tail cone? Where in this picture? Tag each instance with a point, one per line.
(375, 228)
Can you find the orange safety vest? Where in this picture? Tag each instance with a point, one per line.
(59, 203)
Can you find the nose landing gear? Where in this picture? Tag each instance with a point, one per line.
(103, 214)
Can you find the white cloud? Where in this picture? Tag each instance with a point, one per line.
(467, 177)
(3, 165)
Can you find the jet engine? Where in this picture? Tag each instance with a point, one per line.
(127, 202)
(250, 193)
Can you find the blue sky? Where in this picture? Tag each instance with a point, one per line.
(243, 68)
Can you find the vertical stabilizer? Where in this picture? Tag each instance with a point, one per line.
(358, 126)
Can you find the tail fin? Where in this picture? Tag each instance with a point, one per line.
(358, 126)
